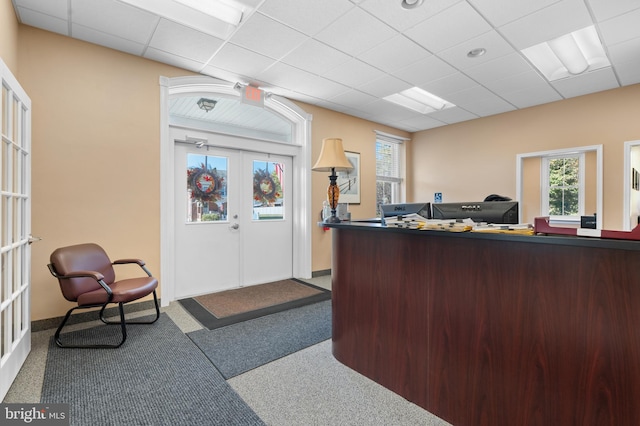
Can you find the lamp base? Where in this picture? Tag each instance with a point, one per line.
(332, 219)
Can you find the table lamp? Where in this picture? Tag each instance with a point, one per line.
(332, 159)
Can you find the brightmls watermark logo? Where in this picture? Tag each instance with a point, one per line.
(34, 414)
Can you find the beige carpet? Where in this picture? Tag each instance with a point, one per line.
(245, 299)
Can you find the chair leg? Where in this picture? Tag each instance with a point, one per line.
(112, 346)
(157, 307)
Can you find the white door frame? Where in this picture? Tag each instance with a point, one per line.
(15, 315)
(301, 174)
(626, 195)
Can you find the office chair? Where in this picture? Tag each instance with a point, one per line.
(87, 277)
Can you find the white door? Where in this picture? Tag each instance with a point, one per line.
(15, 227)
(233, 219)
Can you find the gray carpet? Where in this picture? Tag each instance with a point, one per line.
(158, 377)
(241, 347)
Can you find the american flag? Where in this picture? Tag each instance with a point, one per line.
(280, 173)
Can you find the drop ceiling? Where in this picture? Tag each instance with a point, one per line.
(347, 55)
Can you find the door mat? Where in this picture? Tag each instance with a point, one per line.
(220, 309)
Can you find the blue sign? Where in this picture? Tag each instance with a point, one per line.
(437, 197)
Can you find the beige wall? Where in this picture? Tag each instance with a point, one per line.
(96, 150)
(357, 136)
(96, 158)
(470, 160)
(96, 161)
(9, 36)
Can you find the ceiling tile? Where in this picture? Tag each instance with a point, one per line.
(495, 46)
(621, 28)
(401, 19)
(423, 122)
(532, 96)
(502, 12)
(43, 21)
(628, 51)
(315, 57)
(353, 73)
(470, 95)
(269, 38)
(113, 17)
(324, 88)
(445, 86)
(355, 32)
(310, 19)
(391, 111)
(177, 39)
(546, 24)
(628, 72)
(353, 99)
(107, 40)
(514, 82)
(384, 86)
(394, 53)
(246, 62)
(489, 106)
(449, 27)
(500, 68)
(595, 81)
(425, 70)
(175, 60)
(55, 8)
(607, 9)
(453, 115)
(342, 54)
(283, 75)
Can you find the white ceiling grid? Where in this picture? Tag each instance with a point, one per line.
(346, 55)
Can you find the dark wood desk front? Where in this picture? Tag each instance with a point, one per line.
(492, 329)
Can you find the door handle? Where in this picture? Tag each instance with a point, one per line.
(234, 226)
(33, 239)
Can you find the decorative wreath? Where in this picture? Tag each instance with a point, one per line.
(205, 184)
(266, 188)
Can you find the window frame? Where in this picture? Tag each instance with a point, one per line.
(520, 158)
(546, 187)
(400, 162)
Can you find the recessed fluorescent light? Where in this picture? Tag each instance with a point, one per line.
(570, 54)
(419, 100)
(216, 8)
(215, 21)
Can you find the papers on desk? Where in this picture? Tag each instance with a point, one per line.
(500, 228)
(415, 221)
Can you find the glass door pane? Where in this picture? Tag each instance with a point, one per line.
(268, 190)
(207, 188)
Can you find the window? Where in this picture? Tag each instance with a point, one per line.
(389, 175)
(563, 187)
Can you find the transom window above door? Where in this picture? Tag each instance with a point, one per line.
(225, 115)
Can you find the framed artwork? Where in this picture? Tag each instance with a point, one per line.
(349, 181)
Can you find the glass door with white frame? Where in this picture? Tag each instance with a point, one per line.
(15, 228)
(233, 219)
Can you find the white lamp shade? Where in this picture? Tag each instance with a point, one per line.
(332, 157)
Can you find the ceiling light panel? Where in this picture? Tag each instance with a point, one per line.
(568, 55)
(189, 16)
(419, 100)
(216, 8)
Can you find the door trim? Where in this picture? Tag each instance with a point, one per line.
(627, 225)
(301, 174)
(16, 331)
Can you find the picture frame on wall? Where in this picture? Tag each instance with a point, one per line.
(349, 181)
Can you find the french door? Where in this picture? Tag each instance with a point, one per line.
(15, 228)
(233, 219)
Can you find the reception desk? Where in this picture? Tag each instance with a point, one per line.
(492, 329)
